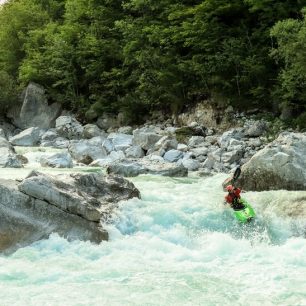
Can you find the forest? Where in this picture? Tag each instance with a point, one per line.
(136, 56)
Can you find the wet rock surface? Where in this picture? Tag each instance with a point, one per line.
(74, 206)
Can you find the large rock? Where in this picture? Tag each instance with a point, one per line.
(256, 129)
(228, 136)
(166, 143)
(145, 138)
(130, 168)
(71, 205)
(85, 152)
(135, 152)
(68, 127)
(91, 130)
(191, 164)
(35, 111)
(8, 157)
(173, 155)
(10, 160)
(121, 142)
(57, 160)
(280, 165)
(28, 138)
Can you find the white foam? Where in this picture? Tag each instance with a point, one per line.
(178, 245)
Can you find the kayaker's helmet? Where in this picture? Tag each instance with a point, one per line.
(230, 188)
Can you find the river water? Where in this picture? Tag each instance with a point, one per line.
(178, 245)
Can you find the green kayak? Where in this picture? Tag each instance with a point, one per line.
(246, 214)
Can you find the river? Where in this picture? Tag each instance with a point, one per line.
(178, 245)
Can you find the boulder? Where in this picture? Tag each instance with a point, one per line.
(121, 142)
(127, 169)
(254, 142)
(280, 165)
(182, 147)
(35, 111)
(135, 152)
(59, 143)
(8, 156)
(74, 206)
(91, 130)
(232, 156)
(225, 138)
(49, 135)
(256, 129)
(145, 138)
(130, 168)
(166, 143)
(85, 152)
(191, 164)
(57, 160)
(6, 129)
(201, 151)
(68, 127)
(111, 158)
(173, 156)
(10, 160)
(126, 130)
(195, 141)
(28, 138)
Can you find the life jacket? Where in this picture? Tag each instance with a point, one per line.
(234, 199)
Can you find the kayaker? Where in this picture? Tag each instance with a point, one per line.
(233, 197)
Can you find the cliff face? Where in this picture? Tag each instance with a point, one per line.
(73, 206)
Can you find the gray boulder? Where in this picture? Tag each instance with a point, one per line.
(8, 156)
(121, 142)
(233, 156)
(135, 152)
(68, 127)
(59, 143)
(35, 111)
(85, 152)
(166, 143)
(195, 141)
(173, 155)
(49, 135)
(280, 165)
(57, 160)
(130, 168)
(91, 130)
(191, 164)
(201, 151)
(28, 138)
(111, 158)
(225, 138)
(126, 130)
(145, 138)
(256, 129)
(10, 160)
(71, 205)
(182, 147)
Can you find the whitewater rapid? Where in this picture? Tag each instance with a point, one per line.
(178, 245)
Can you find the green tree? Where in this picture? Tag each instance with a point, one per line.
(290, 53)
(17, 19)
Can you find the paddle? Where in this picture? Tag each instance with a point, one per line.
(236, 175)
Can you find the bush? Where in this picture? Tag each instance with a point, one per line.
(8, 92)
(300, 122)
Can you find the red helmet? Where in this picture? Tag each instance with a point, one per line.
(230, 188)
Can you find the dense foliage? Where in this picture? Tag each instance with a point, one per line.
(134, 56)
